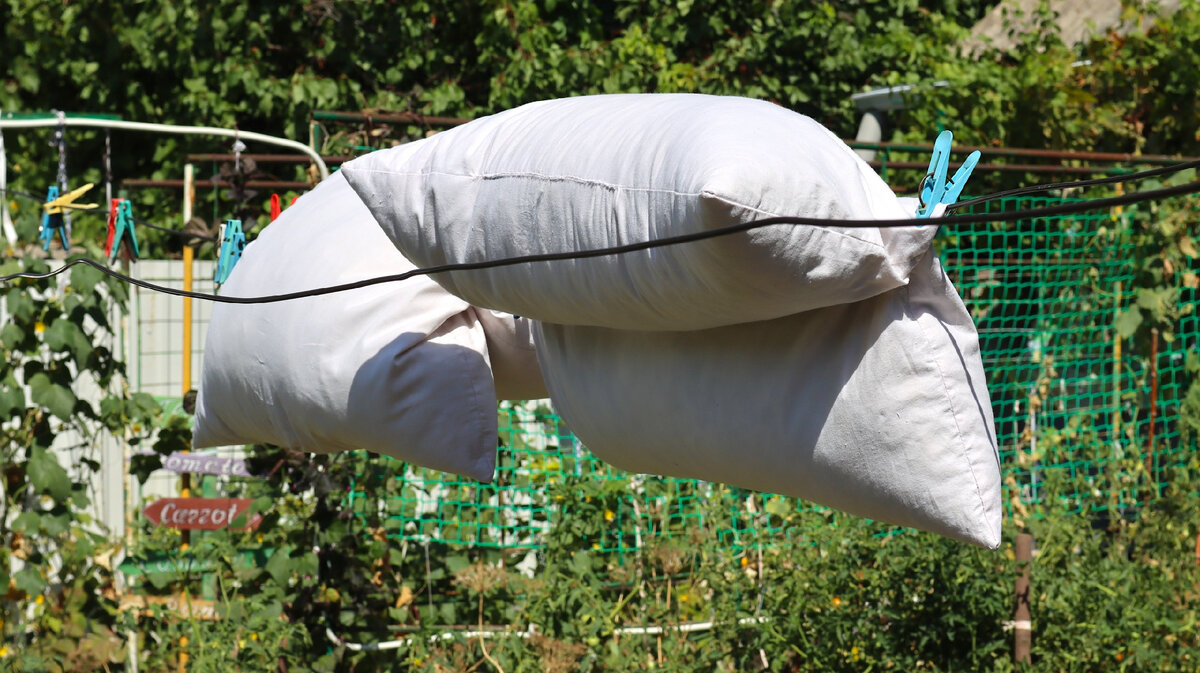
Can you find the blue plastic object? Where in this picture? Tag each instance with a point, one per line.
(52, 221)
(233, 241)
(935, 188)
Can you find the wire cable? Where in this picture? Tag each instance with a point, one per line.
(1110, 180)
(100, 211)
(1030, 213)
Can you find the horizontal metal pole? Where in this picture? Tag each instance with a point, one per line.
(169, 129)
(135, 183)
(386, 118)
(271, 158)
(1062, 155)
(1008, 168)
(51, 115)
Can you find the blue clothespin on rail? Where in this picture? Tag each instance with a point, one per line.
(52, 222)
(232, 240)
(120, 230)
(52, 214)
(935, 188)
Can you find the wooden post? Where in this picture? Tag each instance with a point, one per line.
(1022, 618)
(1116, 364)
(1150, 458)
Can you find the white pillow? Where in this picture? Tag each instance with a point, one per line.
(878, 408)
(597, 171)
(401, 368)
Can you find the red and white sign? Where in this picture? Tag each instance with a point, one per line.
(199, 513)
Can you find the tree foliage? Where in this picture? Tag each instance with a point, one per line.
(844, 597)
(268, 67)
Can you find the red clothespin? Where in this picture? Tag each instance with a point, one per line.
(121, 230)
(275, 208)
(294, 200)
(112, 228)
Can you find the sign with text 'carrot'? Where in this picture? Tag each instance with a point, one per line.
(200, 513)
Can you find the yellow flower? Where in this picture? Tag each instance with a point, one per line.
(39, 327)
(3, 650)
(609, 515)
(183, 547)
(40, 599)
(745, 561)
(836, 601)
(596, 546)
(253, 636)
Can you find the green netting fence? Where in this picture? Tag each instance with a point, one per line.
(1072, 403)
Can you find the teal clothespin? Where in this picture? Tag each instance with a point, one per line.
(935, 188)
(233, 240)
(52, 221)
(120, 230)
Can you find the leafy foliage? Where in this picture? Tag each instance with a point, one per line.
(842, 595)
(55, 559)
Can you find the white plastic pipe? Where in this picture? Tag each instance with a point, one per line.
(450, 635)
(171, 129)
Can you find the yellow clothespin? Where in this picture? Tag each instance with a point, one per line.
(58, 205)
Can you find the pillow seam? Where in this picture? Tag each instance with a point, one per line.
(605, 185)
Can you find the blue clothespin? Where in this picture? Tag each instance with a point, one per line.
(120, 230)
(935, 188)
(52, 221)
(52, 213)
(233, 240)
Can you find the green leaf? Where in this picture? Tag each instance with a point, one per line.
(160, 580)
(11, 336)
(142, 466)
(84, 279)
(57, 398)
(456, 562)
(29, 522)
(12, 398)
(63, 334)
(20, 306)
(1127, 322)
(279, 567)
(30, 580)
(46, 475)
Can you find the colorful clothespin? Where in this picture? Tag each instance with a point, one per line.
(57, 204)
(52, 214)
(275, 207)
(52, 222)
(935, 188)
(120, 229)
(232, 240)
